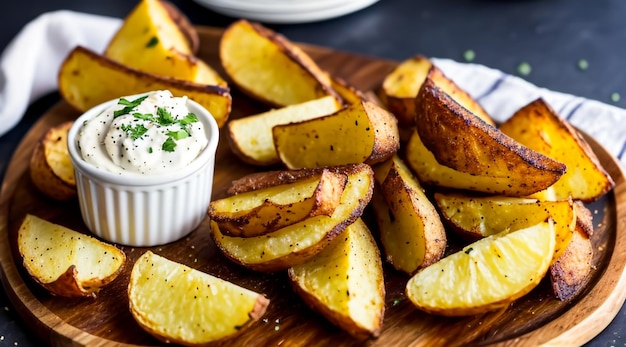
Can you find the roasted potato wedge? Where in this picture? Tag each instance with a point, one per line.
(409, 226)
(184, 25)
(401, 85)
(266, 179)
(66, 262)
(345, 283)
(87, 79)
(479, 216)
(348, 93)
(150, 40)
(540, 128)
(262, 211)
(51, 170)
(270, 68)
(463, 142)
(198, 309)
(251, 137)
(572, 269)
(486, 275)
(360, 133)
(297, 243)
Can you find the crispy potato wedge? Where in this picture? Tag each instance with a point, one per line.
(51, 170)
(348, 93)
(200, 309)
(401, 85)
(66, 262)
(345, 283)
(184, 25)
(297, 243)
(262, 211)
(360, 133)
(270, 68)
(476, 217)
(150, 40)
(486, 275)
(540, 128)
(572, 269)
(87, 79)
(410, 229)
(251, 137)
(429, 172)
(463, 142)
(266, 179)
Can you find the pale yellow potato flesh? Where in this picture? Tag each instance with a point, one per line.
(179, 304)
(345, 282)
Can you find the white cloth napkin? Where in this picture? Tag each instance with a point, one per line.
(30, 63)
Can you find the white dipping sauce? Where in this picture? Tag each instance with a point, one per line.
(150, 135)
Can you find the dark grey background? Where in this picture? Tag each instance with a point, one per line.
(550, 35)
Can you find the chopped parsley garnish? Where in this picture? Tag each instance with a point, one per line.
(134, 132)
(152, 42)
(164, 117)
(129, 105)
(467, 251)
(149, 149)
(169, 145)
(179, 134)
(144, 116)
(189, 118)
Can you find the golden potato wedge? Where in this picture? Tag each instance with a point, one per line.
(270, 68)
(150, 40)
(184, 25)
(266, 179)
(572, 269)
(463, 142)
(359, 133)
(345, 283)
(348, 93)
(478, 216)
(262, 211)
(540, 128)
(182, 305)
(486, 275)
(66, 262)
(251, 137)
(410, 229)
(87, 79)
(401, 85)
(297, 243)
(51, 170)
(429, 172)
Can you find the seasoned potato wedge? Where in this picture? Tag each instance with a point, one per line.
(50, 168)
(360, 133)
(348, 93)
(87, 79)
(262, 211)
(400, 87)
(251, 137)
(66, 262)
(184, 25)
(540, 128)
(486, 275)
(297, 243)
(150, 40)
(463, 142)
(410, 229)
(266, 179)
(479, 216)
(198, 309)
(345, 283)
(270, 68)
(571, 271)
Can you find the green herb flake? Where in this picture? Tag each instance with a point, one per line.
(583, 64)
(467, 251)
(134, 132)
(178, 135)
(524, 69)
(469, 55)
(169, 145)
(149, 149)
(128, 105)
(144, 116)
(188, 119)
(164, 117)
(615, 97)
(152, 42)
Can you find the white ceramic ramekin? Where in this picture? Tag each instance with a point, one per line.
(139, 210)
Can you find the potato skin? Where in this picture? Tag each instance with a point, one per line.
(42, 175)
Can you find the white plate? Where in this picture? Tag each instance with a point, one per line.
(277, 6)
(295, 16)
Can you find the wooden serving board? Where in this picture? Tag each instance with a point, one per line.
(535, 319)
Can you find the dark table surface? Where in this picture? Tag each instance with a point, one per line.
(550, 35)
